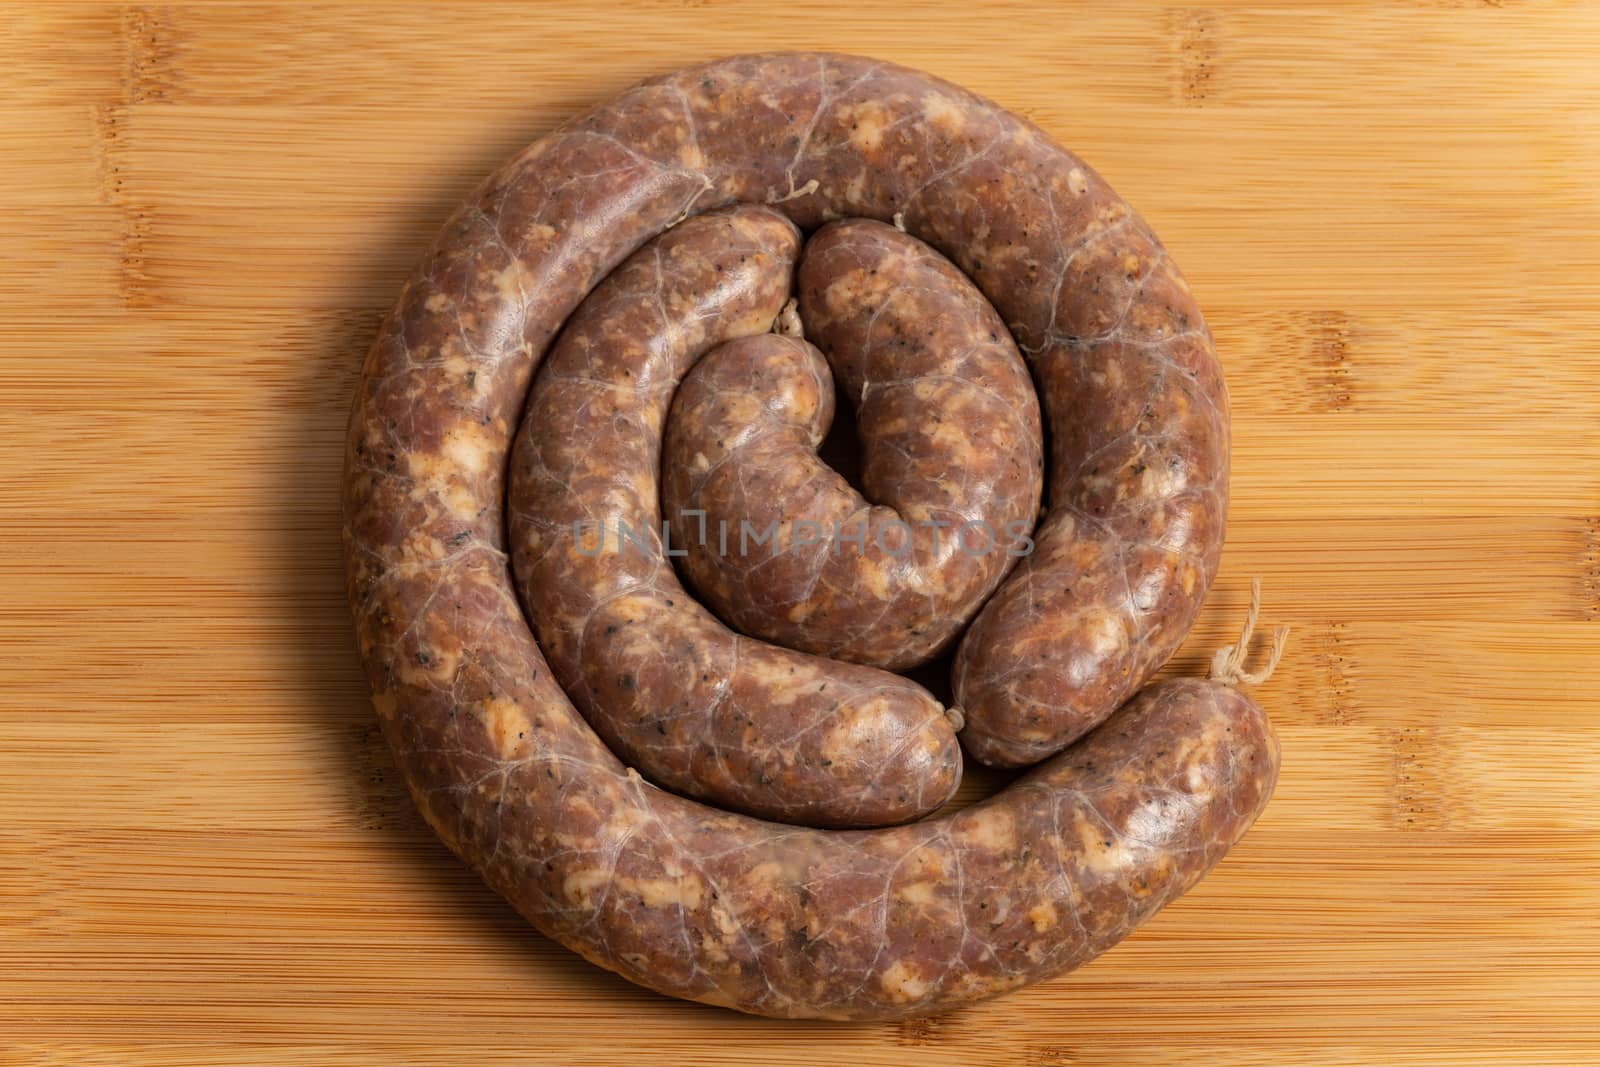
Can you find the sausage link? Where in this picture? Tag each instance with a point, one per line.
(1138, 491)
(749, 726)
(718, 907)
(952, 458)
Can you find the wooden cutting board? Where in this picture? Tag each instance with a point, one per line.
(1392, 217)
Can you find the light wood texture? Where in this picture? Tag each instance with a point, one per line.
(1392, 218)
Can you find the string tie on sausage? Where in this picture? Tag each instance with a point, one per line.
(1227, 666)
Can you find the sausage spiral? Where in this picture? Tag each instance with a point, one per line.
(713, 173)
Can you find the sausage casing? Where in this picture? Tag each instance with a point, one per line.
(951, 446)
(696, 707)
(719, 907)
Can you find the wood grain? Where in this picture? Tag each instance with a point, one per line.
(1390, 214)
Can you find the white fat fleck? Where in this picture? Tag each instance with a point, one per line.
(713, 950)
(1104, 856)
(435, 475)
(539, 231)
(636, 607)
(427, 467)
(921, 894)
(992, 828)
(1105, 636)
(1077, 181)
(463, 503)
(626, 820)
(727, 925)
(842, 743)
(849, 286)
(903, 982)
(1196, 754)
(773, 674)
(768, 874)
(510, 283)
(757, 320)
(1111, 377)
(579, 886)
(943, 113)
(868, 122)
(1043, 916)
(874, 576)
(505, 722)
(796, 399)
(664, 892)
(856, 188)
(467, 449)
(954, 440)
(419, 545)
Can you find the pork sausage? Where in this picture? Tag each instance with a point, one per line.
(718, 907)
(952, 458)
(694, 706)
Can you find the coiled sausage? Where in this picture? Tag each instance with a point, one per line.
(695, 706)
(718, 907)
(952, 457)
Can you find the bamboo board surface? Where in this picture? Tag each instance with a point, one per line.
(1391, 216)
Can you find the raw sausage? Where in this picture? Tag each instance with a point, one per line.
(952, 457)
(694, 706)
(718, 907)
